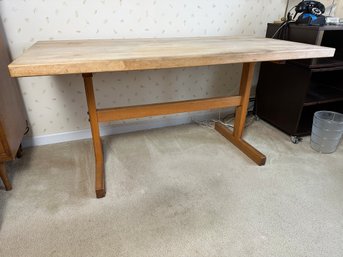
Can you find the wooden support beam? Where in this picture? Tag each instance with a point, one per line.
(235, 137)
(140, 111)
(250, 151)
(97, 144)
(244, 92)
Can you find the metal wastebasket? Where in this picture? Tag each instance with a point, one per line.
(327, 131)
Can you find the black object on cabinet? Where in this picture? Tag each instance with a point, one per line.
(289, 93)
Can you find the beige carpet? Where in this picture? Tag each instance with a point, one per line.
(180, 191)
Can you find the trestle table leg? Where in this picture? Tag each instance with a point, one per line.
(235, 137)
(97, 144)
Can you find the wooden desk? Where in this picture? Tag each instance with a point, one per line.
(91, 56)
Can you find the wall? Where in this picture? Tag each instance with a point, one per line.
(339, 9)
(57, 104)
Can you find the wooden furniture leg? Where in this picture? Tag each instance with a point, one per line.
(4, 178)
(93, 118)
(235, 137)
(19, 152)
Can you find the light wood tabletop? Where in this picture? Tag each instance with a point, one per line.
(90, 56)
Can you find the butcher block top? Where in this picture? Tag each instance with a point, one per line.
(90, 56)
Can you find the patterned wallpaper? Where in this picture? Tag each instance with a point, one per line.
(57, 104)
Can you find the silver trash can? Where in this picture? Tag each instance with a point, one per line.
(327, 131)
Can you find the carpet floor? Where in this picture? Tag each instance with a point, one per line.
(177, 191)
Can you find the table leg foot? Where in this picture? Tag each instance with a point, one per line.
(250, 151)
(100, 186)
(100, 193)
(97, 144)
(4, 177)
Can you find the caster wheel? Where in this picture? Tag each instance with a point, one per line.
(296, 139)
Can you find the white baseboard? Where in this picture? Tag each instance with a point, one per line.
(122, 128)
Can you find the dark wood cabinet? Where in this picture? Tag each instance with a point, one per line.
(288, 94)
(12, 112)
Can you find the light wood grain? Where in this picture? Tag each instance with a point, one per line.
(89, 56)
(140, 111)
